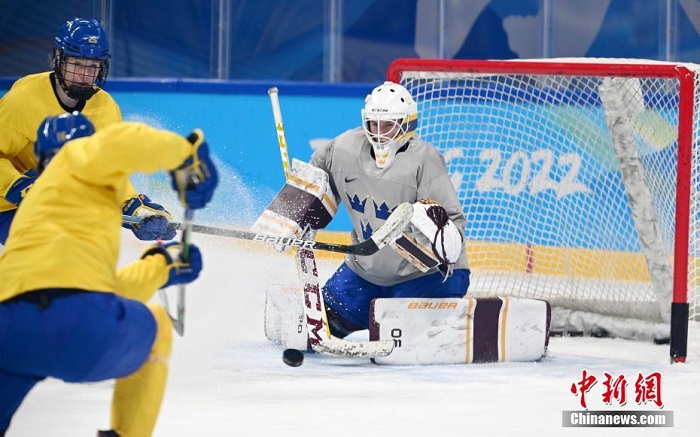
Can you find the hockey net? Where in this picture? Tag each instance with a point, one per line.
(577, 181)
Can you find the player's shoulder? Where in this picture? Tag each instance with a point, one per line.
(27, 102)
(102, 110)
(349, 138)
(35, 78)
(126, 129)
(103, 97)
(28, 84)
(354, 133)
(425, 156)
(419, 146)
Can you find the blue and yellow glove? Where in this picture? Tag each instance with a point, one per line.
(20, 186)
(181, 272)
(196, 178)
(155, 223)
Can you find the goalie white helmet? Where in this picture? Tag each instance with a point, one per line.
(389, 118)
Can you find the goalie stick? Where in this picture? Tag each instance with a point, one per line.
(319, 335)
(320, 338)
(384, 235)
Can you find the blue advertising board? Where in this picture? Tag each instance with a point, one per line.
(238, 123)
(525, 193)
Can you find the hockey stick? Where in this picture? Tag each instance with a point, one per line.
(281, 138)
(314, 308)
(384, 235)
(179, 320)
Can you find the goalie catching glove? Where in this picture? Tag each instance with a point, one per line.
(180, 271)
(304, 205)
(195, 179)
(431, 239)
(156, 220)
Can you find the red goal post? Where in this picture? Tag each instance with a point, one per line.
(576, 177)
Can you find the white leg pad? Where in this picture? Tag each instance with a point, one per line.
(284, 317)
(461, 331)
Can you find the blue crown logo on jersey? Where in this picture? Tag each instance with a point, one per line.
(367, 231)
(382, 211)
(355, 203)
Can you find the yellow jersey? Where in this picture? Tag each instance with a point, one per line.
(22, 109)
(67, 232)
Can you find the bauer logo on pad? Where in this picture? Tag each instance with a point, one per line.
(287, 241)
(428, 305)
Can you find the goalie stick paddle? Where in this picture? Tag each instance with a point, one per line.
(314, 310)
(391, 230)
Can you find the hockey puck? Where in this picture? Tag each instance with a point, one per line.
(292, 357)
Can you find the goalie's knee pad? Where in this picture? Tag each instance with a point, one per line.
(306, 202)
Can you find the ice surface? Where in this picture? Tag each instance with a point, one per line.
(227, 380)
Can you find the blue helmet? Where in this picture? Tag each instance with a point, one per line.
(55, 131)
(82, 39)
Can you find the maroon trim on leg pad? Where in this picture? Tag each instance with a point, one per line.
(486, 322)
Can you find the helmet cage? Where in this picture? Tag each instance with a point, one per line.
(81, 39)
(388, 131)
(390, 102)
(393, 114)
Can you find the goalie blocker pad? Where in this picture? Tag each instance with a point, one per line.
(461, 331)
(305, 202)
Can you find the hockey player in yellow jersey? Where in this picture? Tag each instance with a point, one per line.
(65, 310)
(81, 62)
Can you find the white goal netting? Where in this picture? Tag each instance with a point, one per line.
(567, 171)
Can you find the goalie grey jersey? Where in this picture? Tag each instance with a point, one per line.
(370, 194)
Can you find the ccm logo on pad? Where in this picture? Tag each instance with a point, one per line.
(432, 305)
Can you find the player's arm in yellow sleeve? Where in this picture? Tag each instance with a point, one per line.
(123, 148)
(160, 266)
(140, 279)
(130, 191)
(13, 183)
(109, 156)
